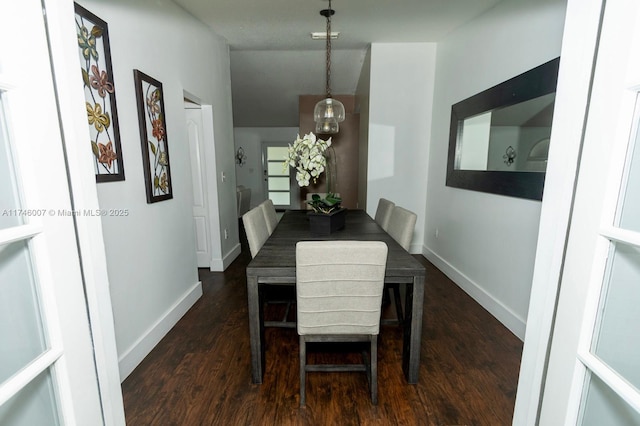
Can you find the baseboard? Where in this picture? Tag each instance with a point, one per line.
(219, 265)
(141, 348)
(503, 314)
(216, 265)
(231, 256)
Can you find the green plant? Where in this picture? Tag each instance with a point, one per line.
(325, 205)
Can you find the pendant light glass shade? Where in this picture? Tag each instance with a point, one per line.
(327, 127)
(327, 114)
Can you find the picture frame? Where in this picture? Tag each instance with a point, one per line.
(100, 95)
(153, 137)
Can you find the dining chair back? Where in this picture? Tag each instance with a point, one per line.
(401, 225)
(402, 222)
(257, 230)
(244, 200)
(255, 227)
(339, 288)
(383, 212)
(270, 215)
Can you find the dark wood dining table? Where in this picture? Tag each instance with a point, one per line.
(275, 263)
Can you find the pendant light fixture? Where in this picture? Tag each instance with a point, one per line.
(328, 112)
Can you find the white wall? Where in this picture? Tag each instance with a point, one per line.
(151, 252)
(401, 91)
(250, 139)
(486, 243)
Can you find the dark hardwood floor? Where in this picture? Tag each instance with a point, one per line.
(199, 374)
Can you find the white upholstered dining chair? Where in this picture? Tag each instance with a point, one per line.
(243, 195)
(402, 222)
(270, 215)
(255, 226)
(383, 212)
(401, 225)
(257, 230)
(339, 288)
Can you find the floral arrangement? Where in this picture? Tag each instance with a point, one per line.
(308, 156)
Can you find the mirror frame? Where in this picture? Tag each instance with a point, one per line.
(534, 83)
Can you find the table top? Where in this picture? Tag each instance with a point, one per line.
(277, 257)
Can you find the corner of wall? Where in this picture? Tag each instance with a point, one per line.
(502, 313)
(134, 355)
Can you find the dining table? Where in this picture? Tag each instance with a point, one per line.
(275, 263)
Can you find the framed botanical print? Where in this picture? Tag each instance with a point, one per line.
(153, 137)
(100, 95)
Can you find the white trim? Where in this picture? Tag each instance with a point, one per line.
(416, 248)
(575, 399)
(19, 232)
(143, 346)
(222, 264)
(84, 195)
(18, 381)
(621, 387)
(572, 97)
(211, 168)
(621, 235)
(502, 313)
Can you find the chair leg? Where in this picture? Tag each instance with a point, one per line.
(303, 367)
(374, 370)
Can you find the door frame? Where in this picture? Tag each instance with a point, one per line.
(575, 78)
(216, 262)
(82, 186)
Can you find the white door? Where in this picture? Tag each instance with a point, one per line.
(279, 182)
(47, 367)
(199, 181)
(593, 375)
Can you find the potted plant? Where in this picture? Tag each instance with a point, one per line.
(308, 155)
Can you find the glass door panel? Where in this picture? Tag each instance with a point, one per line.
(616, 341)
(614, 337)
(630, 211)
(28, 391)
(278, 184)
(21, 330)
(35, 404)
(9, 200)
(276, 169)
(604, 407)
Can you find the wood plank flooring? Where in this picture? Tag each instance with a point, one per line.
(199, 374)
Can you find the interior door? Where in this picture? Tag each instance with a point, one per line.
(47, 365)
(593, 376)
(199, 181)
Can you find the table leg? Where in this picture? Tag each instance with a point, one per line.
(412, 336)
(256, 331)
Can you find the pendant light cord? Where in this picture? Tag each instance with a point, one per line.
(329, 13)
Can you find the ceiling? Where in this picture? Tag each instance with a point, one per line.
(274, 59)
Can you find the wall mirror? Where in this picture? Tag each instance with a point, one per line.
(499, 138)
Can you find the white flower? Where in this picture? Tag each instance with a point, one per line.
(306, 155)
